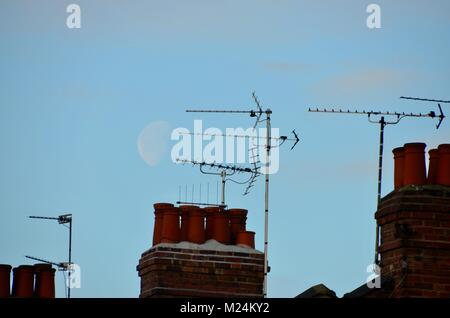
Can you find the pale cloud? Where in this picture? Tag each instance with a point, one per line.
(366, 82)
(287, 67)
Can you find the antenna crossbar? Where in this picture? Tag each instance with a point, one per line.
(426, 99)
(369, 113)
(219, 166)
(203, 204)
(60, 265)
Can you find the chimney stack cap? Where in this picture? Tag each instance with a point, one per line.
(414, 146)
(24, 267)
(238, 212)
(159, 206)
(43, 267)
(444, 148)
(433, 152)
(398, 151)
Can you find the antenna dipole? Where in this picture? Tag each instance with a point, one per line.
(62, 219)
(396, 117)
(60, 265)
(225, 171)
(281, 140)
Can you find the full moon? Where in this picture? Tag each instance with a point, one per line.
(152, 142)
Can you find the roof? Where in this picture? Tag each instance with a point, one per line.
(317, 291)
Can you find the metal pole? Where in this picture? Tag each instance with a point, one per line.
(266, 205)
(223, 174)
(380, 176)
(70, 258)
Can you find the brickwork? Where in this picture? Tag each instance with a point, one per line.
(179, 272)
(415, 240)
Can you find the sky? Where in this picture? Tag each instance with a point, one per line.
(86, 116)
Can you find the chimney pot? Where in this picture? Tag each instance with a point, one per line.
(399, 160)
(184, 227)
(443, 175)
(23, 281)
(246, 238)
(433, 167)
(209, 213)
(159, 215)
(414, 164)
(5, 280)
(238, 218)
(221, 227)
(196, 225)
(171, 225)
(45, 281)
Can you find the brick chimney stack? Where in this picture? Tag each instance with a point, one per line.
(415, 224)
(201, 253)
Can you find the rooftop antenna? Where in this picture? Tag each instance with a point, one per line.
(257, 114)
(441, 115)
(62, 219)
(281, 140)
(225, 172)
(200, 196)
(395, 119)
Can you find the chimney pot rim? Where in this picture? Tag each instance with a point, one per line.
(414, 147)
(444, 148)
(24, 267)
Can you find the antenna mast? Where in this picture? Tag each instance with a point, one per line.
(62, 219)
(258, 113)
(395, 119)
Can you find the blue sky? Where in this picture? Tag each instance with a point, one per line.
(73, 103)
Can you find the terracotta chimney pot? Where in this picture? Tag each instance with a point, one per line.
(414, 164)
(399, 156)
(159, 214)
(433, 167)
(209, 213)
(221, 227)
(23, 281)
(5, 280)
(196, 226)
(443, 176)
(238, 218)
(171, 225)
(246, 238)
(184, 228)
(45, 281)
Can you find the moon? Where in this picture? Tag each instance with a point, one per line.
(152, 142)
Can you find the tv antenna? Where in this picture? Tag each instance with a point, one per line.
(63, 266)
(192, 202)
(62, 219)
(281, 140)
(441, 115)
(257, 114)
(225, 172)
(383, 119)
